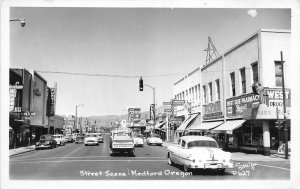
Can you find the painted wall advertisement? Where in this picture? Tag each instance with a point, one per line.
(251, 106)
(236, 106)
(212, 111)
(273, 106)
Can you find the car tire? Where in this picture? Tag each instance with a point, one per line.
(170, 160)
(131, 153)
(186, 168)
(221, 171)
(111, 152)
(52, 146)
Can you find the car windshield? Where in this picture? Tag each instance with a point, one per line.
(202, 143)
(139, 136)
(122, 134)
(157, 136)
(45, 137)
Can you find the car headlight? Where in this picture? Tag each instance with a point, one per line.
(37, 143)
(47, 142)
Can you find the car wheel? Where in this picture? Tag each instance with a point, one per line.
(170, 161)
(52, 146)
(131, 152)
(221, 171)
(111, 153)
(85, 144)
(186, 168)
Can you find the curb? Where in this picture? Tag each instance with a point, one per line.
(17, 153)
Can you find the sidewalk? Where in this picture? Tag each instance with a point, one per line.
(240, 156)
(16, 151)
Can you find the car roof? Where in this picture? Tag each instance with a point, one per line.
(190, 138)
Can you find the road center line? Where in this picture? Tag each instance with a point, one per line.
(80, 157)
(274, 167)
(122, 160)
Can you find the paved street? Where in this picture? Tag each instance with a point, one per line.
(79, 162)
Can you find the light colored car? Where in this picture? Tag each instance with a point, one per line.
(99, 136)
(154, 139)
(121, 141)
(60, 139)
(79, 139)
(69, 137)
(199, 152)
(90, 139)
(138, 140)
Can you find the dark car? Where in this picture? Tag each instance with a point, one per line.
(46, 141)
(79, 139)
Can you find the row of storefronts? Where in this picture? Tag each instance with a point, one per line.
(240, 95)
(32, 105)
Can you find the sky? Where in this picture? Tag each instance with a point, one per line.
(160, 44)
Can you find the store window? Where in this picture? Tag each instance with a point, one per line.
(204, 95)
(251, 135)
(218, 89)
(255, 72)
(232, 79)
(210, 91)
(243, 80)
(278, 74)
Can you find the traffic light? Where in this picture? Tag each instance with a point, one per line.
(141, 84)
(279, 124)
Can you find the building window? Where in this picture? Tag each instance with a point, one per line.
(243, 80)
(196, 93)
(278, 74)
(255, 72)
(204, 95)
(210, 91)
(199, 92)
(232, 79)
(218, 89)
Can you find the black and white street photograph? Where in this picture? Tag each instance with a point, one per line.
(175, 93)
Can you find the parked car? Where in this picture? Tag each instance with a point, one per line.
(154, 139)
(139, 140)
(60, 139)
(69, 137)
(199, 152)
(91, 139)
(79, 139)
(121, 141)
(46, 141)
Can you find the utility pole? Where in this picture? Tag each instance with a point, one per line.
(286, 152)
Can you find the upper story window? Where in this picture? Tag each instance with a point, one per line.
(204, 95)
(210, 91)
(278, 74)
(243, 80)
(255, 72)
(218, 89)
(232, 79)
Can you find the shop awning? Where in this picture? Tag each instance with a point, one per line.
(205, 126)
(159, 125)
(186, 123)
(229, 126)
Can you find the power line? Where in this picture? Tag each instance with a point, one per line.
(109, 75)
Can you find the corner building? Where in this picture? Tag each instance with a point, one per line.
(236, 117)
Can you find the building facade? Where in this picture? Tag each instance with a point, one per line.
(231, 112)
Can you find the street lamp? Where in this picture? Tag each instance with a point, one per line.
(76, 118)
(21, 20)
(153, 89)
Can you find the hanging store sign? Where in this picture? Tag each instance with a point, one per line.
(134, 114)
(265, 112)
(274, 97)
(212, 111)
(236, 106)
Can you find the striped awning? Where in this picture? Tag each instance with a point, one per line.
(229, 126)
(159, 125)
(186, 123)
(205, 126)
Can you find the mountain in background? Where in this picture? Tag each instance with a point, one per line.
(110, 120)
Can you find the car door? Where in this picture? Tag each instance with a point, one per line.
(182, 153)
(175, 151)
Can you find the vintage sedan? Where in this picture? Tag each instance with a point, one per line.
(91, 139)
(99, 136)
(60, 139)
(139, 140)
(79, 139)
(199, 152)
(46, 141)
(154, 139)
